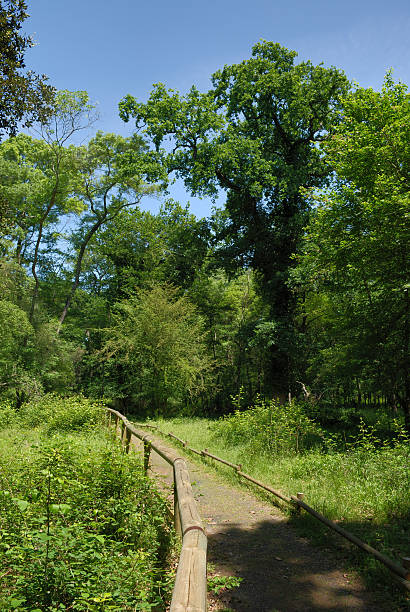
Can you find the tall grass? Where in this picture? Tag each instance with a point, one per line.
(368, 479)
(363, 483)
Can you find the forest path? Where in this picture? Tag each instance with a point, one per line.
(250, 538)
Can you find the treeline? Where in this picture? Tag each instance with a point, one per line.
(297, 287)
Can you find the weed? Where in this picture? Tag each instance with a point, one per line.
(216, 584)
(269, 428)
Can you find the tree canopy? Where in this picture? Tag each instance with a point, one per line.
(24, 96)
(297, 286)
(255, 135)
(355, 260)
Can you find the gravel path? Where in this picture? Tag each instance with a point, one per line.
(250, 538)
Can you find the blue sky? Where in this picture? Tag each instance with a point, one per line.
(114, 48)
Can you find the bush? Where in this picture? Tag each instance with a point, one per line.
(82, 527)
(8, 414)
(56, 414)
(269, 427)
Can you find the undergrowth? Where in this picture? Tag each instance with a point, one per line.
(81, 527)
(362, 482)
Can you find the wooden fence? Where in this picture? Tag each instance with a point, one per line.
(400, 572)
(189, 594)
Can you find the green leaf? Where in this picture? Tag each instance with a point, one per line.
(17, 602)
(62, 508)
(21, 503)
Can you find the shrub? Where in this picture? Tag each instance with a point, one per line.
(82, 528)
(56, 414)
(269, 427)
(8, 414)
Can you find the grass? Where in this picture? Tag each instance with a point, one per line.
(364, 487)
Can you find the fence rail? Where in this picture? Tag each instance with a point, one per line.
(400, 572)
(189, 594)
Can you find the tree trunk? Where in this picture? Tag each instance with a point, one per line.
(78, 268)
(36, 250)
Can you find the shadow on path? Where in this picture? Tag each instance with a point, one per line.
(280, 571)
(249, 538)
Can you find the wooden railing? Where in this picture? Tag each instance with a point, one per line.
(189, 594)
(401, 572)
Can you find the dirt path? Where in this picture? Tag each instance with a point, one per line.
(249, 538)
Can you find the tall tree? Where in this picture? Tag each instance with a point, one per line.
(24, 95)
(137, 248)
(72, 113)
(234, 319)
(255, 135)
(355, 264)
(37, 177)
(112, 173)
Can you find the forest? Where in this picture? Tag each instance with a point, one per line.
(283, 317)
(295, 288)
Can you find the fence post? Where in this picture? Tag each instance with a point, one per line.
(127, 439)
(406, 564)
(299, 496)
(177, 517)
(147, 450)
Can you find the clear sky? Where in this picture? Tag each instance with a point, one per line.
(111, 48)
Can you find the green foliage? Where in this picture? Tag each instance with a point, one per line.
(233, 314)
(216, 584)
(58, 414)
(268, 428)
(368, 480)
(286, 142)
(14, 328)
(81, 526)
(8, 415)
(15, 332)
(112, 174)
(353, 272)
(158, 339)
(254, 135)
(37, 180)
(136, 248)
(32, 358)
(24, 95)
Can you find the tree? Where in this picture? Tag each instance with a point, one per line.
(32, 358)
(137, 248)
(255, 135)
(72, 113)
(15, 328)
(111, 178)
(186, 242)
(133, 250)
(353, 272)
(24, 96)
(233, 314)
(37, 177)
(157, 339)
